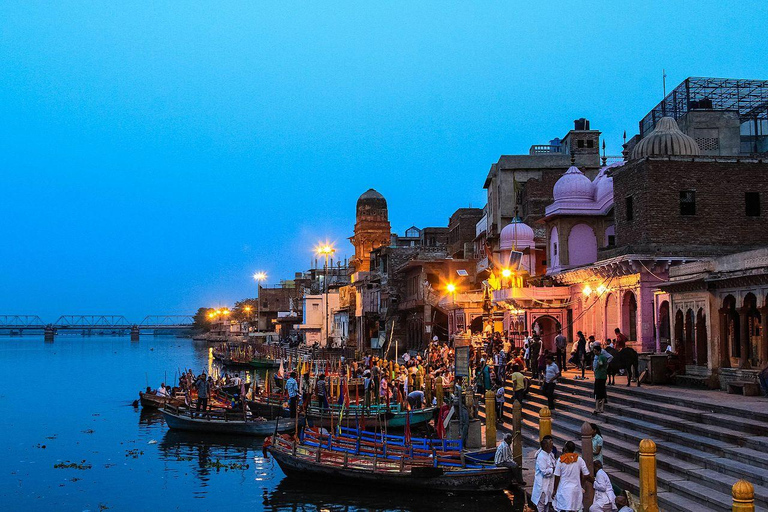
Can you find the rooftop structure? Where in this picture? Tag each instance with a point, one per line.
(748, 99)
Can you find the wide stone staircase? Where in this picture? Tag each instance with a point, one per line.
(703, 446)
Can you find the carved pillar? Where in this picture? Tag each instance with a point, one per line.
(724, 350)
(763, 348)
(743, 336)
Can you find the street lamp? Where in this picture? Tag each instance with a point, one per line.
(259, 277)
(327, 251)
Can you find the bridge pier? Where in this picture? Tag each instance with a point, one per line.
(49, 333)
(135, 333)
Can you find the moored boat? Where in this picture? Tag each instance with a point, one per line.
(154, 401)
(338, 464)
(224, 422)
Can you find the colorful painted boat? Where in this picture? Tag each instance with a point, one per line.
(153, 401)
(344, 465)
(264, 364)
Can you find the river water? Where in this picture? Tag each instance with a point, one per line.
(70, 402)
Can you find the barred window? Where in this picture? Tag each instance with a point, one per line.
(687, 202)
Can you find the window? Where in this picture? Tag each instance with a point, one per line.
(590, 143)
(611, 240)
(580, 143)
(687, 202)
(752, 201)
(630, 208)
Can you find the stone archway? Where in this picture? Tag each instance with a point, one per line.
(547, 328)
(611, 315)
(753, 330)
(664, 327)
(629, 315)
(702, 342)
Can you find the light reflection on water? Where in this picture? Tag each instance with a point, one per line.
(78, 406)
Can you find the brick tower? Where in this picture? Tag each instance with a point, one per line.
(372, 228)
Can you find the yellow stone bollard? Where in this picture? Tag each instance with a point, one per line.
(439, 391)
(517, 426)
(545, 422)
(490, 419)
(648, 500)
(428, 382)
(743, 497)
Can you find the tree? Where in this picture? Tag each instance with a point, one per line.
(201, 320)
(240, 313)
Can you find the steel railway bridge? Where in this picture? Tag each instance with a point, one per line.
(88, 324)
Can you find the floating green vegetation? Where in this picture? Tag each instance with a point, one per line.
(72, 465)
(218, 465)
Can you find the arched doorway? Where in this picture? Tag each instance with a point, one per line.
(664, 323)
(679, 344)
(611, 315)
(690, 340)
(476, 326)
(753, 329)
(702, 343)
(629, 315)
(547, 329)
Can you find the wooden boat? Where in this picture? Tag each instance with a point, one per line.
(224, 422)
(264, 363)
(349, 465)
(234, 390)
(153, 401)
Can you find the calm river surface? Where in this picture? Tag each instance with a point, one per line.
(70, 401)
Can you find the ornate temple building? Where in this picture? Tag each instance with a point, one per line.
(372, 228)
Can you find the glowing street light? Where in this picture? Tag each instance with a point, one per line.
(451, 288)
(326, 250)
(587, 291)
(506, 273)
(259, 277)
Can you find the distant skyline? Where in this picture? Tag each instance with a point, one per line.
(154, 156)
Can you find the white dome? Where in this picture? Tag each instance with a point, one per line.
(573, 185)
(516, 235)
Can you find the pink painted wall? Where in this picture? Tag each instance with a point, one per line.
(582, 245)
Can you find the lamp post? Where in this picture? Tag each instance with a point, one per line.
(327, 251)
(451, 288)
(247, 310)
(259, 277)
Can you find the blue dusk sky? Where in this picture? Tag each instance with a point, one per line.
(155, 154)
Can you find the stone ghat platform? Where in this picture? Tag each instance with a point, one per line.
(706, 440)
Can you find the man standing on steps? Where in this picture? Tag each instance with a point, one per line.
(535, 347)
(561, 343)
(543, 481)
(600, 366)
(551, 374)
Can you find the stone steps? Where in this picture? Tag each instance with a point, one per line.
(683, 461)
(703, 447)
(714, 440)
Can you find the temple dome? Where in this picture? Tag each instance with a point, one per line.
(665, 140)
(516, 234)
(371, 203)
(573, 185)
(603, 184)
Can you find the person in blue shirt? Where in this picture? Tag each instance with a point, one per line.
(292, 388)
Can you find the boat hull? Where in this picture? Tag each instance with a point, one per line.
(429, 479)
(264, 364)
(217, 426)
(150, 401)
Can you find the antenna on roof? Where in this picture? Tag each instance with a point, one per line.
(664, 82)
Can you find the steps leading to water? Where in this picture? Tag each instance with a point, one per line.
(703, 446)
